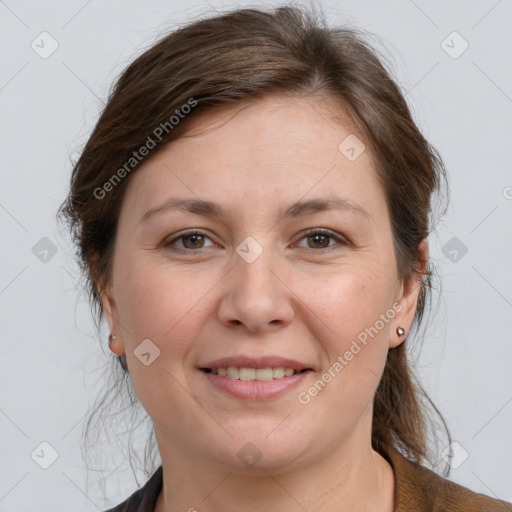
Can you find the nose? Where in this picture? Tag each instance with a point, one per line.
(256, 296)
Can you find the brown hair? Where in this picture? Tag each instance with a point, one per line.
(240, 56)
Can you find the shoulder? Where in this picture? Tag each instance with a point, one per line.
(417, 488)
(145, 498)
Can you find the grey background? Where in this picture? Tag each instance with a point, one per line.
(48, 368)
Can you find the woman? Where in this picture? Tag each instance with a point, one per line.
(252, 210)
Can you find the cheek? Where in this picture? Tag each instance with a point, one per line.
(150, 301)
(348, 299)
(161, 305)
(165, 304)
(355, 307)
(150, 294)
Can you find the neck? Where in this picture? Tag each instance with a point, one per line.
(347, 479)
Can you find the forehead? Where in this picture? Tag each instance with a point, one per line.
(291, 126)
(272, 149)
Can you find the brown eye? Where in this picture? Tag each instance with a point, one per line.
(192, 241)
(321, 239)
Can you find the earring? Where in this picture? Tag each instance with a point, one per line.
(121, 357)
(111, 340)
(400, 331)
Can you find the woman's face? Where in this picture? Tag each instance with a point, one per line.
(292, 257)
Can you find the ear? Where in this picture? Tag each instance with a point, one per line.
(407, 297)
(109, 305)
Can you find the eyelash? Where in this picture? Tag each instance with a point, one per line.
(169, 244)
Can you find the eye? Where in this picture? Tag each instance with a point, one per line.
(320, 239)
(191, 241)
(194, 241)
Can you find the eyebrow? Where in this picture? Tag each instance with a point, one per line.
(298, 209)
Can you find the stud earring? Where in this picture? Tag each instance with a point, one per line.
(400, 331)
(122, 357)
(111, 340)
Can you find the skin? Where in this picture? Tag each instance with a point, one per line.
(296, 300)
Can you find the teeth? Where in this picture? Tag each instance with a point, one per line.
(277, 373)
(232, 372)
(248, 374)
(263, 374)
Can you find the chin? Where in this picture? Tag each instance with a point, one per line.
(263, 452)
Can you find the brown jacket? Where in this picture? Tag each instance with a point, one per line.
(417, 489)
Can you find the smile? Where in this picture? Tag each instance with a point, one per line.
(255, 384)
(250, 374)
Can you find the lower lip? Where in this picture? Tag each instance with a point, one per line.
(256, 389)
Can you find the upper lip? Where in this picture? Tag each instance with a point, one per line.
(256, 362)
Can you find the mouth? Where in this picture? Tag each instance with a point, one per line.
(263, 383)
(254, 374)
